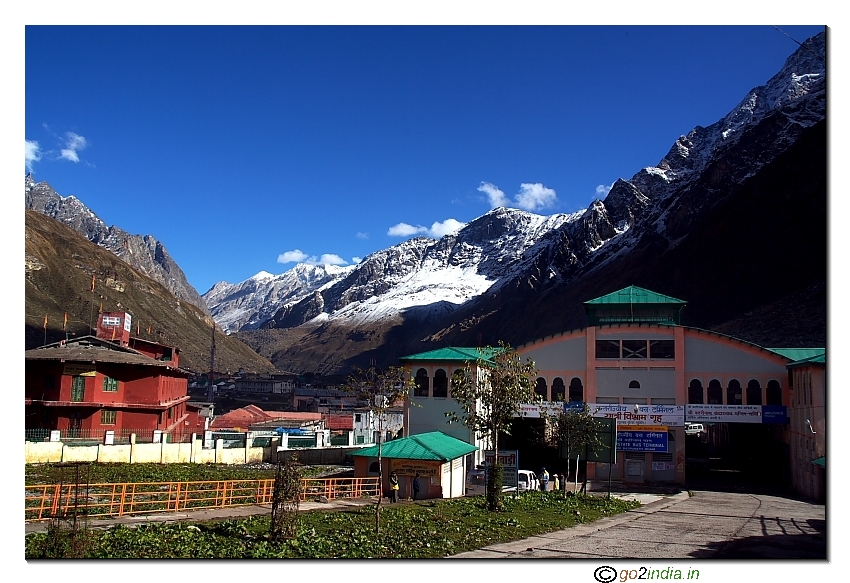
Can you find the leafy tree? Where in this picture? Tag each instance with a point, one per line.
(490, 394)
(578, 430)
(381, 390)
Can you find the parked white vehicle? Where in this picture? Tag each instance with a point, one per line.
(476, 482)
(527, 480)
(694, 428)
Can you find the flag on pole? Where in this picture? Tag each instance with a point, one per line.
(137, 328)
(65, 323)
(113, 332)
(92, 284)
(101, 306)
(45, 322)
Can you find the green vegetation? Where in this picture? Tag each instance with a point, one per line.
(96, 473)
(432, 529)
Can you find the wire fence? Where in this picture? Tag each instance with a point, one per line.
(121, 499)
(83, 437)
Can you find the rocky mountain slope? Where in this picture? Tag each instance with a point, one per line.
(720, 221)
(143, 253)
(59, 266)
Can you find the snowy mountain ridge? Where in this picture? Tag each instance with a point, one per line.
(423, 279)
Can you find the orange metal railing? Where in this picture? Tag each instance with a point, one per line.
(102, 500)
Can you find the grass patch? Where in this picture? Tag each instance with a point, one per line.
(431, 529)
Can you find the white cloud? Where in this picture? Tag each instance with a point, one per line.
(332, 259)
(494, 195)
(404, 230)
(602, 190)
(448, 226)
(295, 256)
(298, 256)
(356, 260)
(435, 231)
(73, 143)
(360, 235)
(531, 196)
(32, 153)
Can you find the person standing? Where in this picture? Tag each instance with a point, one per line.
(557, 484)
(393, 487)
(544, 480)
(416, 486)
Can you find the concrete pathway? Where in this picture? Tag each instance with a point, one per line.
(719, 525)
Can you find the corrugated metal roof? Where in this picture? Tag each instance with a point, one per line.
(453, 353)
(795, 354)
(433, 446)
(92, 349)
(635, 295)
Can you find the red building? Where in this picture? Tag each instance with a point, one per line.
(89, 385)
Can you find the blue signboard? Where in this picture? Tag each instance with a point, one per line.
(573, 406)
(774, 414)
(654, 441)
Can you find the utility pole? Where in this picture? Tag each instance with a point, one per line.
(212, 366)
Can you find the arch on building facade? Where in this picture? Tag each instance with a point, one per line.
(715, 392)
(576, 390)
(695, 392)
(541, 388)
(634, 385)
(440, 383)
(421, 380)
(753, 392)
(559, 392)
(774, 393)
(734, 394)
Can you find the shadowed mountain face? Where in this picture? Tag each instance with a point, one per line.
(732, 220)
(59, 265)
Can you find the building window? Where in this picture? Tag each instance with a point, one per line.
(662, 349)
(441, 383)
(558, 391)
(78, 389)
(108, 417)
(774, 393)
(695, 392)
(607, 349)
(110, 385)
(634, 385)
(421, 380)
(634, 348)
(734, 395)
(357, 417)
(715, 392)
(541, 388)
(753, 393)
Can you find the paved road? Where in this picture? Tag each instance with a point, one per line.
(709, 525)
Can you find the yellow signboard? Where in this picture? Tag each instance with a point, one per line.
(410, 467)
(642, 428)
(79, 370)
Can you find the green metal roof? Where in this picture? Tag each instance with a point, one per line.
(796, 354)
(458, 353)
(635, 295)
(433, 446)
(817, 359)
(821, 461)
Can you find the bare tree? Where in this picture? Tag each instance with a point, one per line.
(578, 431)
(381, 390)
(491, 393)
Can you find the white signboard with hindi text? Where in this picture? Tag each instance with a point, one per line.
(669, 415)
(724, 413)
(509, 460)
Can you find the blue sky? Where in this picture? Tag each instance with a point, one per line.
(248, 148)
